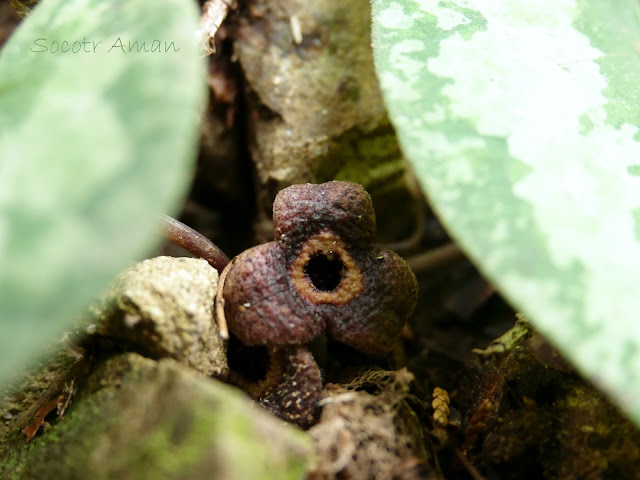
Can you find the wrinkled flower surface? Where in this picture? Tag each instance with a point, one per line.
(322, 273)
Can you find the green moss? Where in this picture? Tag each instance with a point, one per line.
(367, 158)
(374, 160)
(10, 464)
(23, 7)
(160, 420)
(159, 455)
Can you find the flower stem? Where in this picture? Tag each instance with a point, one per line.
(194, 243)
(435, 258)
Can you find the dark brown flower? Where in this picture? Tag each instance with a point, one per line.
(321, 273)
(291, 386)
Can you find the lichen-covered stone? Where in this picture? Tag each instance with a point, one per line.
(164, 307)
(138, 418)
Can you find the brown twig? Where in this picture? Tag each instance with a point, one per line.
(213, 14)
(435, 258)
(413, 240)
(194, 243)
(473, 471)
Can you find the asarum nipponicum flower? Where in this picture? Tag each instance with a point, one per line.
(321, 274)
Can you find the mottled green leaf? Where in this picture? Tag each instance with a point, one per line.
(94, 144)
(521, 120)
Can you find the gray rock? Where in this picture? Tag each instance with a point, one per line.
(164, 307)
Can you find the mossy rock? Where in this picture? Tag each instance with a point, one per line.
(138, 418)
(164, 307)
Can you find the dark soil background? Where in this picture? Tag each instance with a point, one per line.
(284, 110)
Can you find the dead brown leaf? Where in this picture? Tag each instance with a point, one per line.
(31, 429)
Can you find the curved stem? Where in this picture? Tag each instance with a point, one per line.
(221, 319)
(435, 258)
(194, 243)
